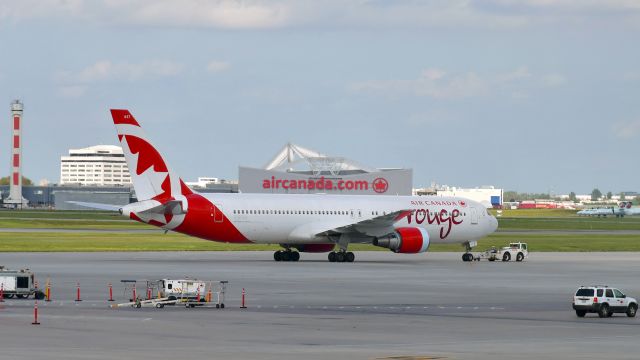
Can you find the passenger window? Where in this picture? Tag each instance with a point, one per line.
(618, 293)
(170, 286)
(609, 293)
(600, 292)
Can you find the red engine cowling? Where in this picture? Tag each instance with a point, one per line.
(408, 240)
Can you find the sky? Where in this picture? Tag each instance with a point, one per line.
(532, 95)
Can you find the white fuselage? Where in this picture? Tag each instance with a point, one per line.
(267, 218)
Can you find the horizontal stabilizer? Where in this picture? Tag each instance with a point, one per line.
(97, 206)
(173, 207)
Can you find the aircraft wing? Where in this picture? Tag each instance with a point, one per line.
(97, 206)
(377, 226)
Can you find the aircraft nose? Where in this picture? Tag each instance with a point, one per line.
(493, 224)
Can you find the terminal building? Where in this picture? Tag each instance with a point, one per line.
(102, 165)
(298, 170)
(488, 196)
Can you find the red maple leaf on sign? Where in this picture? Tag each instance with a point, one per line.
(380, 185)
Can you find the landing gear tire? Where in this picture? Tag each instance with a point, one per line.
(341, 256)
(467, 257)
(350, 257)
(332, 257)
(295, 256)
(506, 257)
(286, 255)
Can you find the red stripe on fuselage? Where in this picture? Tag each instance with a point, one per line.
(200, 221)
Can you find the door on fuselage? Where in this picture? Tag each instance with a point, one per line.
(216, 213)
(474, 216)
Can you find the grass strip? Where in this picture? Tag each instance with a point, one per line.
(92, 242)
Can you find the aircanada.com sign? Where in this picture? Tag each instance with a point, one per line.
(379, 185)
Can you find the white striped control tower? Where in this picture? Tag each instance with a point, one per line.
(15, 198)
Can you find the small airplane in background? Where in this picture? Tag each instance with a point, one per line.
(624, 209)
(628, 209)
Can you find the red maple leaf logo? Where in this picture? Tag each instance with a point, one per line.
(380, 185)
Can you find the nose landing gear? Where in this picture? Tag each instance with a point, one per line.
(468, 256)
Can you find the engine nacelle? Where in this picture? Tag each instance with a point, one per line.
(407, 240)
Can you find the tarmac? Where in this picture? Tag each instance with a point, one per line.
(383, 306)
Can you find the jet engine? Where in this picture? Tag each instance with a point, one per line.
(407, 240)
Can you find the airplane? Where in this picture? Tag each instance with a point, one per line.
(628, 209)
(304, 222)
(600, 212)
(624, 209)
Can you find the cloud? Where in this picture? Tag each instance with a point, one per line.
(518, 74)
(269, 14)
(216, 66)
(438, 84)
(74, 84)
(626, 130)
(72, 91)
(554, 80)
(230, 14)
(631, 76)
(106, 70)
(432, 82)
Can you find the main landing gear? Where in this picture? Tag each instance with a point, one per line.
(341, 256)
(286, 255)
(468, 256)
